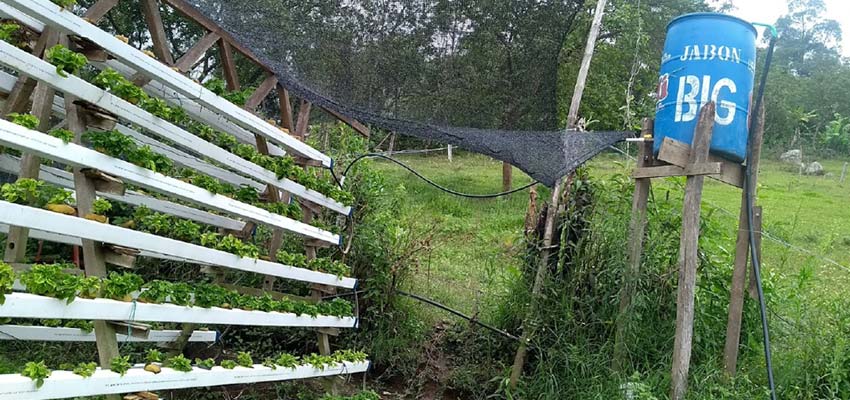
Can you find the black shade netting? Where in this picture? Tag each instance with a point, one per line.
(481, 75)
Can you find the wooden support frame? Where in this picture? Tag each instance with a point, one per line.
(637, 227)
(688, 255)
(153, 18)
(742, 247)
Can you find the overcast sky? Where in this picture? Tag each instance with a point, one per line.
(769, 10)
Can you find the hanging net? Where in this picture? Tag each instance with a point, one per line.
(481, 75)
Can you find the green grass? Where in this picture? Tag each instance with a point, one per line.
(477, 241)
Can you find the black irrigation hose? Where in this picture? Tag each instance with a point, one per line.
(748, 190)
(430, 182)
(438, 305)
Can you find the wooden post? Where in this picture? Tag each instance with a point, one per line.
(285, 109)
(742, 252)
(42, 100)
(843, 174)
(153, 18)
(303, 122)
(107, 343)
(689, 257)
(230, 75)
(507, 176)
(637, 227)
(449, 153)
(99, 10)
(552, 211)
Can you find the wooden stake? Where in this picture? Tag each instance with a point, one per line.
(303, 120)
(637, 227)
(689, 257)
(843, 174)
(230, 75)
(543, 262)
(507, 176)
(742, 252)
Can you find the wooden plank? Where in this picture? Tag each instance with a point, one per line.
(285, 108)
(637, 227)
(261, 92)
(675, 152)
(58, 334)
(99, 10)
(707, 168)
(689, 256)
(153, 18)
(303, 120)
(216, 121)
(25, 305)
(231, 77)
(191, 58)
(20, 138)
(47, 221)
(61, 178)
(64, 384)
(739, 271)
(49, 13)
(94, 261)
(358, 127)
(46, 73)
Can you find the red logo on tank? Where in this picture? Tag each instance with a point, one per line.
(663, 84)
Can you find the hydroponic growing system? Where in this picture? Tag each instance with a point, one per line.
(157, 119)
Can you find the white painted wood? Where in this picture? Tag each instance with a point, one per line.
(64, 384)
(48, 221)
(64, 20)
(25, 305)
(9, 12)
(197, 111)
(46, 146)
(75, 241)
(55, 176)
(40, 70)
(60, 334)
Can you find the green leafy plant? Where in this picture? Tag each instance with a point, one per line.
(269, 363)
(349, 355)
(187, 231)
(205, 364)
(37, 371)
(28, 121)
(66, 60)
(156, 292)
(8, 30)
(179, 363)
(228, 364)
(120, 365)
(287, 360)
(319, 361)
(86, 370)
(85, 326)
(336, 307)
(51, 280)
(181, 294)
(101, 206)
(244, 360)
(231, 244)
(153, 356)
(292, 259)
(89, 287)
(120, 286)
(64, 134)
(7, 279)
(209, 295)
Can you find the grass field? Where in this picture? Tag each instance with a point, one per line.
(477, 240)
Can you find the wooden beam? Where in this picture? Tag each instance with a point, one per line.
(285, 108)
(229, 66)
(261, 92)
(363, 130)
(637, 227)
(676, 153)
(191, 58)
(99, 10)
(662, 171)
(303, 120)
(739, 272)
(689, 256)
(93, 257)
(20, 95)
(153, 18)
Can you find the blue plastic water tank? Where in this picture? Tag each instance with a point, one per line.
(707, 57)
